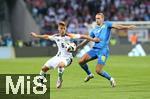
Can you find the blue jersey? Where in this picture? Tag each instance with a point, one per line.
(103, 33)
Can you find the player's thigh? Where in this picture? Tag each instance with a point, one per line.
(103, 56)
(84, 58)
(53, 62)
(90, 55)
(65, 62)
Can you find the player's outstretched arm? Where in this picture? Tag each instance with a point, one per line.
(39, 36)
(82, 44)
(119, 26)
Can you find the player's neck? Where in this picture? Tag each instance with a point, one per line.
(100, 24)
(62, 34)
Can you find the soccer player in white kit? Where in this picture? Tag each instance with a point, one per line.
(63, 58)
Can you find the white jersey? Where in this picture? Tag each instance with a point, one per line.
(62, 43)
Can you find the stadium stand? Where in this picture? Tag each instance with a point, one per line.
(78, 12)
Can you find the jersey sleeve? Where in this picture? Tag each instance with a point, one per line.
(109, 24)
(52, 37)
(74, 36)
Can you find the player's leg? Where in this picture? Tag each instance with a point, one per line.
(83, 63)
(60, 74)
(63, 63)
(43, 73)
(102, 57)
(50, 64)
(101, 72)
(104, 74)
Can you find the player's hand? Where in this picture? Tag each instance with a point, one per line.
(33, 34)
(96, 39)
(77, 48)
(131, 27)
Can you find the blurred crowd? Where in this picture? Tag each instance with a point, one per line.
(6, 40)
(78, 13)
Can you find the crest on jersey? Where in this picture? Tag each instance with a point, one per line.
(103, 58)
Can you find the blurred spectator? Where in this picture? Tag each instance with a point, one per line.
(113, 41)
(1, 41)
(78, 12)
(19, 43)
(133, 39)
(6, 40)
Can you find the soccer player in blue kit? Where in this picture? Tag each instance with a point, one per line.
(100, 49)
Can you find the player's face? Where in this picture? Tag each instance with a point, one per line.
(61, 29)
(99, 19)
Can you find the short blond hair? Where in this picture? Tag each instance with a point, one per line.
(62, 23)
(101, 14)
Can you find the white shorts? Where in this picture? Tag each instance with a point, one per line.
(54, 61)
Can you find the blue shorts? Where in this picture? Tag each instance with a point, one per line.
(101, 54)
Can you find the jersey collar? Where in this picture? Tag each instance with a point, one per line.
(97, 26)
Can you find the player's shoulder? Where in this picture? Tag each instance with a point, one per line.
(108, 23)
(69, 34)
(55, 35)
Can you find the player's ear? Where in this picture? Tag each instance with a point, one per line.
(65, 28)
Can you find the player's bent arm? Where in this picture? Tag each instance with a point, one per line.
(76, 36)
(89, 38)
(40, 36)
(82, 44)
(119, 26)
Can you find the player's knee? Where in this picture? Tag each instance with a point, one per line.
(45, 69)
(61, 65)
(81, 62)
(84, 59)
(98, 71)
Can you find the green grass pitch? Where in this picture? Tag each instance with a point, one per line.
(132, 76)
